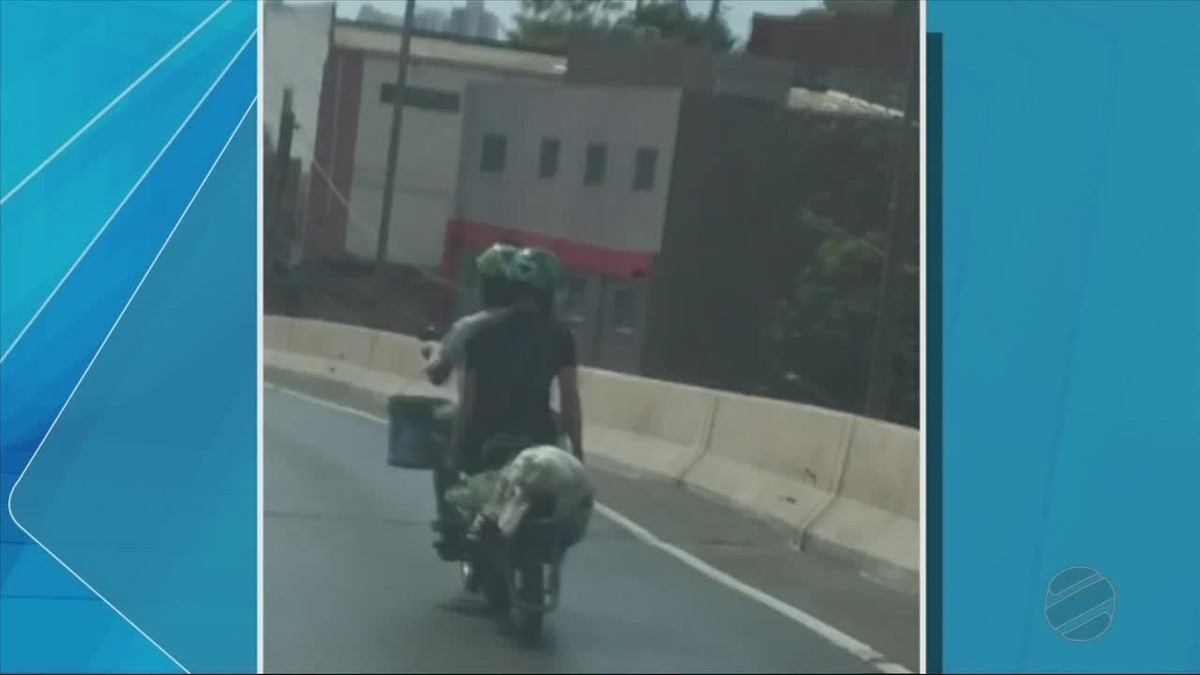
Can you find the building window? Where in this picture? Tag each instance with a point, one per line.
(495, 147)
(624, 315)
(434, 100)
(596, 164)
(645, 165)
(548, 158)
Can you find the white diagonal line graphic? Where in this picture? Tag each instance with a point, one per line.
(113, 103)
(83, 376)
(128, 196)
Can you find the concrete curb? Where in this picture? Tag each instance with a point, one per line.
(815, 517)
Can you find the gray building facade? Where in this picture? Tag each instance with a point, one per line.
(663, 204)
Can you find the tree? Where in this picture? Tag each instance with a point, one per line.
(823, 329)
(820, 337)
(548, 24)
(672, 20)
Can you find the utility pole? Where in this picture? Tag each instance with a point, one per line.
(281, 237)
(389, 187)
(883, 352)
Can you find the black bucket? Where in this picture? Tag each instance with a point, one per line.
(419, 430)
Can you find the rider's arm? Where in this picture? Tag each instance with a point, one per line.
(438, 370)
(572, 408)
(568, 391)
(448, 354)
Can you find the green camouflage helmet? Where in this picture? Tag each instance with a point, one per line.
(538, 268)
(493, 263)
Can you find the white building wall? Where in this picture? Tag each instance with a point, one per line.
(295, 44)
(427, 167)
(610, 214)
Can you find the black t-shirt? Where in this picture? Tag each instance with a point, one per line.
(515, 357)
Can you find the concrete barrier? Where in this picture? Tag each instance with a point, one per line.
(880, 470)
(875, 513)
(646, 425)
(276, 331)
(843, 485)
(397, 354)
(778, 459)
(332, 341)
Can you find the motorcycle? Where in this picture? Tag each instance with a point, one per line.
(514, 558)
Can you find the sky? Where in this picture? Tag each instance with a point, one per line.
(737, 12)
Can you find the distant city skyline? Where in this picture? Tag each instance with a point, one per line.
(737, 12)
(472, 19)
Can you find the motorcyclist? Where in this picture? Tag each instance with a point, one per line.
(512, 361)
(494, 295)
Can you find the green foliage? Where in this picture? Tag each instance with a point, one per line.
(674, 21)
(470, 496)
(824, 325)
(549, 24)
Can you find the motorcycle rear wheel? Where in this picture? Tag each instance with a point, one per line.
(496, 593)
(531, 589)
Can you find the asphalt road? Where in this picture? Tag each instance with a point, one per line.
(351, 583)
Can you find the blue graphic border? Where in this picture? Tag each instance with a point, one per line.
(130, 336)
(933, 359)
(1068, 317)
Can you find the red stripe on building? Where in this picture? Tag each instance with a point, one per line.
(575, 256)
(327, 215)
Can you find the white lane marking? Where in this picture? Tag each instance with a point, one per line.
(12, 493)
(831, 634)
(841, 640)
(128, 195)
(113, 103)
